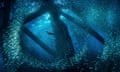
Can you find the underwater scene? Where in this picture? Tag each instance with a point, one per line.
(59, 36)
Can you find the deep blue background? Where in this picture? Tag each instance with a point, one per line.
(95, 47)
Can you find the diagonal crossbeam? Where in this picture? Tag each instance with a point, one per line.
(35, 14)
(38, 41)
(85, 27)
(63, 43)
